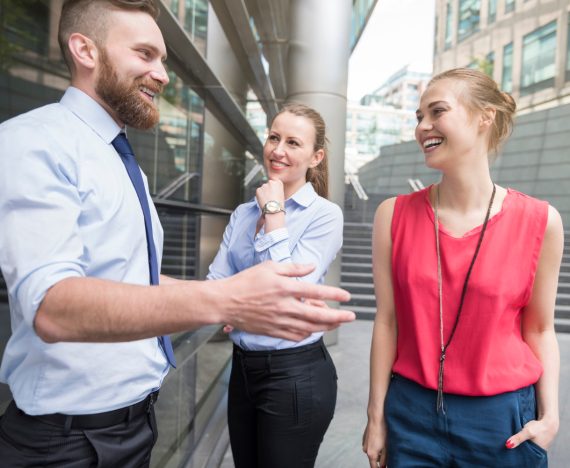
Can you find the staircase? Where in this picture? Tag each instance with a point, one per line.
(562, 309)
(356, 265)
(356, 269)
(3, 290)
(179, 256)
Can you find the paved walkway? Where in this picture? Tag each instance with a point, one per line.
(341, 447)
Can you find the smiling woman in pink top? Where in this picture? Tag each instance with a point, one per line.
(464, 361)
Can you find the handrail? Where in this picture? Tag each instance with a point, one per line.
(416, 184)
(358, 188)
(176, 184)
(252, 173)
(193, 207)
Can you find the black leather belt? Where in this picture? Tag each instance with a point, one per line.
(100, 420)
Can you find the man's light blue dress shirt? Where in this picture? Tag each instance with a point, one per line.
(313, 234)
(68, 209)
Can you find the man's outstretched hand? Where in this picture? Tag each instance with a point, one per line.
(268, 299)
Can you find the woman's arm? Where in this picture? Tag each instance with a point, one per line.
(221, 266)
(538, 333)
(315, 240)
(383, 349)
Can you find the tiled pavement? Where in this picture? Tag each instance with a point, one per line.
(341, 447)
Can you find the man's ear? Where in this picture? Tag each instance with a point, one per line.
(83, 50)
(317, 158)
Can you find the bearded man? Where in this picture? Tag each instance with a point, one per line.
(80, 249)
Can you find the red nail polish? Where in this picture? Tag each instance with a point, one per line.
(509, 444)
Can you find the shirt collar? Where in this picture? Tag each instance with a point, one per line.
(91, 113)
(305, 195)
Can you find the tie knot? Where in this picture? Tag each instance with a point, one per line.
(122, 145)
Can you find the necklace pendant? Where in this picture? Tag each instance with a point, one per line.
(439, 403)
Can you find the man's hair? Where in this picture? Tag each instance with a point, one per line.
(90, 18)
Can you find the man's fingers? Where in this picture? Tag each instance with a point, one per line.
(316, 302)
(293, 269)
(322, 292)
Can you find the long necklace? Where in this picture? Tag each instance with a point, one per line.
(439, 403)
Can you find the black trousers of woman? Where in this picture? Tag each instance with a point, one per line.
(280, 405)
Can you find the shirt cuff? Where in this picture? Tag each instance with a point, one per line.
(265, 241)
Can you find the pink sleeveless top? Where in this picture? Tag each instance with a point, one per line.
(487, 355)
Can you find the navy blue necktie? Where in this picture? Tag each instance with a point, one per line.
(123, 147)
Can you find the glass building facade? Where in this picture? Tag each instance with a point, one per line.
(175, 156)
(468, 19)
(538, 59)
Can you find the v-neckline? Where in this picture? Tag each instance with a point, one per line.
(474, 231)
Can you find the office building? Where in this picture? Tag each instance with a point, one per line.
(384, 117)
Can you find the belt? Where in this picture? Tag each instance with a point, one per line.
(100, 420)
(282, 358)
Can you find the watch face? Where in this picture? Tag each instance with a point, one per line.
(271, 207)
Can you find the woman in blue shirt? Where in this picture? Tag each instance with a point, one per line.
(282, 394)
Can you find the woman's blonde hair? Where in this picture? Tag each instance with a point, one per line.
(318, 176)
(483, 93)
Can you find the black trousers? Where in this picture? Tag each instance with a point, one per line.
(32, 441)
(280, 405)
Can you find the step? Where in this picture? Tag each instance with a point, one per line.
(562, 311)
(358, 275)
(364, 225)
(358, 299)
(357, 249)
(358, 288)
(189, 249)
(354, 232)
(362, 313)
(358, 244)
(363, 257)
(357, 283)
(355, 268)
(186, 273)
(562, 325)
(357, 238)
(562, 299)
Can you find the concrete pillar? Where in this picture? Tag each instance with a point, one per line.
(317, 75)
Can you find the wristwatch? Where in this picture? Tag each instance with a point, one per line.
(272, 207)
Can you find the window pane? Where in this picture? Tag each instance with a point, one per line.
(507, 81)
(509, 5)
(448, 25)
(539, 55)
(468, 21)
(489, 65)
(193, 16)
(568, 52)
(492, 11)
(170, 156)
(435, 31)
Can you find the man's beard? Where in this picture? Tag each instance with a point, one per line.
(125, 99)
